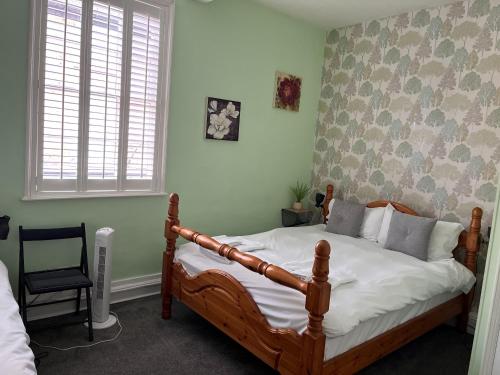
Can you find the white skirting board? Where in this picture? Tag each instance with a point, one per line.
(121, 290)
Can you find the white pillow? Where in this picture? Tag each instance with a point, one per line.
(330, 206)
(444, 239)
(386, 223)
(372, 221)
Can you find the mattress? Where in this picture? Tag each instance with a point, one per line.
(389, 287)
(380, 324)
(16, 357)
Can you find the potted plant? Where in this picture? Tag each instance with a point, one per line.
(299, 191)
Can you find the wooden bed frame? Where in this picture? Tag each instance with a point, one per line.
(223, 301)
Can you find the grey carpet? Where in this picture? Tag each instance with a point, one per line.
(187, 344)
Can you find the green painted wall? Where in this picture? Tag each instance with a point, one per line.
(229, 49)
(492, 272)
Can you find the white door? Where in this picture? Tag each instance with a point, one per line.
(496, 362)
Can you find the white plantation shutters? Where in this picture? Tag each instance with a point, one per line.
(61, 98)
(105, 96)
(98, 86)
(143, 95)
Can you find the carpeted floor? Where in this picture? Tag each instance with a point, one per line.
(187, 344)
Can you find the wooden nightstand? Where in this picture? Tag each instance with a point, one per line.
(294, 218)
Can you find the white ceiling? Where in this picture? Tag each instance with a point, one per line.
(330, 14)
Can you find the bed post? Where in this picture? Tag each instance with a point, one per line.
(317, 303)
(472, 247)
(328, 198)
(168, 255)
(472, 243)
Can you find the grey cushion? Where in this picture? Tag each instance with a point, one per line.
(346, 218)
(410, 234)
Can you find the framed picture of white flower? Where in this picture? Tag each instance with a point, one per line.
(223, 119)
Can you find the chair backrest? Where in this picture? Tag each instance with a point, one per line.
(49, 234)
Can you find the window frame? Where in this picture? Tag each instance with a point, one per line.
(34, 134)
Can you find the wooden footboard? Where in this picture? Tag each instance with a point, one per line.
(222, 300)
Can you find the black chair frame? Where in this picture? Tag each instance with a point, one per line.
(28, 235)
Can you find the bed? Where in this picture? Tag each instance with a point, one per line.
(16, 357)
(334, 333)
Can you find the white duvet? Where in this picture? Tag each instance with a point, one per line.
(16, 357)
(371, 280)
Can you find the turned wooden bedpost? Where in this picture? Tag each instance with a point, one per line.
(472, 247)
(473, 242)
(168, 255)
(326, 202)
(317, 303)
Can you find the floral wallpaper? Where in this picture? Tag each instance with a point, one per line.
(410, 110)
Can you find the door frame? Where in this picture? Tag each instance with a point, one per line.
(488, 324)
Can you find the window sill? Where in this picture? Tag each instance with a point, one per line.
(63, 196)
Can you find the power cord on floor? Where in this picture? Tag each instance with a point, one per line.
(84, 346)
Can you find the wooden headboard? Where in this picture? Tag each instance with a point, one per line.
(469, 240)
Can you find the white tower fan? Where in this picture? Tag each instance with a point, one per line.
(102, 279)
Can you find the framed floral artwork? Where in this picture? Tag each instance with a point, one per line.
(223, 119)
(287, 92)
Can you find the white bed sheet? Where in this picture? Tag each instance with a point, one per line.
(284, 307)
(385, 280)
(376, 326)
(16, 357)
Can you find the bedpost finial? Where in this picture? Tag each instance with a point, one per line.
(173, 198)
(173, 209)
(477, 215)
(322, 249)
(321, 266)
(477, 212)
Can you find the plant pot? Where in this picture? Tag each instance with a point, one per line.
(297, 206)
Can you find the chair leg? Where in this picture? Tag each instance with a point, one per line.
(89, 314)
(78, 299)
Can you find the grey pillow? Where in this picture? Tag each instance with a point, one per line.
(346, 218)
(410, 234)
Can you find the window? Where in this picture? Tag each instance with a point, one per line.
(98, 97)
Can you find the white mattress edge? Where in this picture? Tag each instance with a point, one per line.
(376, 326)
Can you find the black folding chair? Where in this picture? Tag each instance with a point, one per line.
(55, 280)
